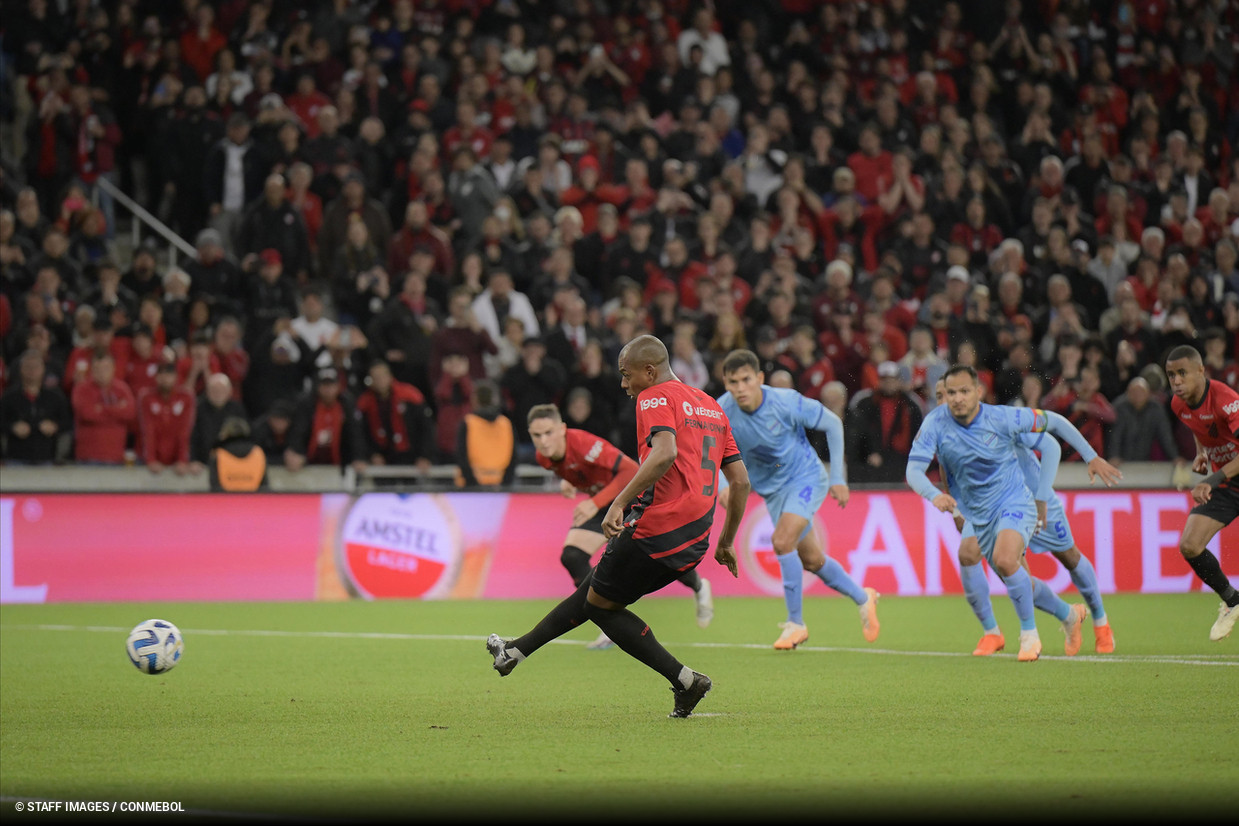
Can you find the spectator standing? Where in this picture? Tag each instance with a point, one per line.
(1082, 403)
(325, 430)
(165, 422)
(485, 441)
(232, 175)
(36, 417)
(103, 414)
(397, 425)
(352, 203)
(144, 360)
(1141, 431)
(238, 464)
(226, 345)
(881, 424)
(401, 333)
(269, 297)
(417, 231)
(270, 431)
(271, 222)
(533, 380)
(461, 333)
(215, 404)
(215, 276)
(501, 300)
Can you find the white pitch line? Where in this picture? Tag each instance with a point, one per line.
(1169, 659)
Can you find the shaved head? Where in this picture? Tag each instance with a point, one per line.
(644, 350)
(642, 363)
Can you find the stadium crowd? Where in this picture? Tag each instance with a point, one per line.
(406, 212)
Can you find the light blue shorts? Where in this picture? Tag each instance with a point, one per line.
(803, 497)
(1018, 517)
(1053, 538)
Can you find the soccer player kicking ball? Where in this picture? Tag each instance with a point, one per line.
(590, 464)
(1055, 537)
(684, 438)
(977, 446)
(1210, 410)
(769, 424)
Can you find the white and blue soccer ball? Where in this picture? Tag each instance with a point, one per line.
(155, 646)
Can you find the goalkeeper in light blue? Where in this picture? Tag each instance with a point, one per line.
(1055, 538)
(768, 424)
(979, 448)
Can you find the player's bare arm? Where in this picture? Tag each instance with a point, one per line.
(1203, 491)
(660, 458)
(738, 488)
(1099, 468)
(583, 512)
(1201, 463)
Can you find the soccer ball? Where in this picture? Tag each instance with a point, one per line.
(155, 646)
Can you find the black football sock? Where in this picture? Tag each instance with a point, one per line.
(1210, 572)
(692, 579)
(562, 618)
(576, 561)
(635, 638)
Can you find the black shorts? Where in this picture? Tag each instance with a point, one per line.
(1223, 505)
(625, 573)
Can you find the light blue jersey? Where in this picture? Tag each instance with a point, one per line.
(983, 460)
(772, 440)
(787, 473)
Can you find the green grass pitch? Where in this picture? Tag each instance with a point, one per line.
(381, 709)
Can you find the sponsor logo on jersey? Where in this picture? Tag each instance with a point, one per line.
(1231, 408)
(594, 452)
(647, 404)
(704, 411)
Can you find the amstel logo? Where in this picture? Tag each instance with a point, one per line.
(399, 546)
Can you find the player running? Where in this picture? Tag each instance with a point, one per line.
(768, 424)
(684, 438)
(592, 465)
(977, 448)
(1210, 410)
(1054, 537)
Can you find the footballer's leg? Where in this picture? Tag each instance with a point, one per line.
(580, 545)
(814, 559)
(1197, 533)
(976, 591)
(788, 529)
(703, 596)
(1084, 577)
(1006, 559)
(623, 576)
(561, 619)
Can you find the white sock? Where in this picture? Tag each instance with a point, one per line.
(686, 677)
(1104, 622)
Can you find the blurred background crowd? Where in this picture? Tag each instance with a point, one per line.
(409, 214)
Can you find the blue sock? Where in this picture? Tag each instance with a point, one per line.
(976, 589)
(834, 576)
(1084, 577)
(793, 585)
(1019, 588)
(1046, 600)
